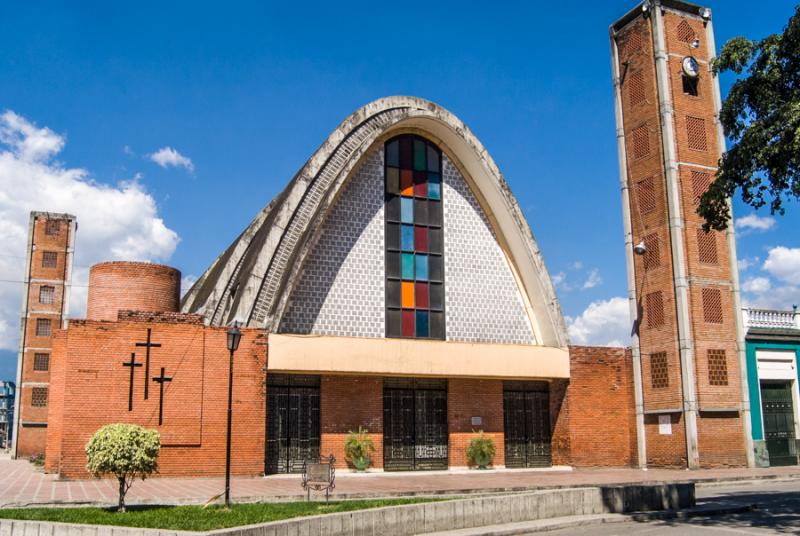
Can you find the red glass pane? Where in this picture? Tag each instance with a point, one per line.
(408, 323)
(421, 292)
(420, 184)
(407, 182)
(421, 239)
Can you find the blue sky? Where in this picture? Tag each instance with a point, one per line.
(246, 92)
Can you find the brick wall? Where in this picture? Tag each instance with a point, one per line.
(93, 390)
(135, 286)
(474, 398)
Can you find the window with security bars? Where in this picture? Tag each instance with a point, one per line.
(696, 133)
(685, 32)
(49, 259)
(39, 397)
(700, 183)
(652, 255)
(640, 140)
(712, 305)
(633, 43)
(414, 241)
(52, 227)
(43, 327)
(47, 294)
(707, 246)
(659, 370)
(717, 368)
(636, 92)
(654, 309)
(646, 195)
(41, 362)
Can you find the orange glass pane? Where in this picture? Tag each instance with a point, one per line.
(407, 294)
(406, 182)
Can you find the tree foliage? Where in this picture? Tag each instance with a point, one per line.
(126, 451)
(761, 117)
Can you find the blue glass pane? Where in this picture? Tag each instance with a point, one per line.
(407, 210)
(434, 177)
(434, 190)
(422, 267)
(422, 323)
(408, 266)
(407, 238)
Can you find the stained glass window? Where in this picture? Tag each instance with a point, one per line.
(414, 245)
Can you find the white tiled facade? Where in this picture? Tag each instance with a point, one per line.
(342, 289)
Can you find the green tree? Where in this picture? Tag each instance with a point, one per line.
(126, 451)
(761, 117)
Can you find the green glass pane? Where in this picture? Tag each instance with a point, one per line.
(408, 266)
(419, 155)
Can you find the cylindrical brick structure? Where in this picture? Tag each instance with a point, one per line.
(135, 286)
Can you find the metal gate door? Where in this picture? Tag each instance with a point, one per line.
(414, 424)
(526, 416)
(776, 402)
(292, 422)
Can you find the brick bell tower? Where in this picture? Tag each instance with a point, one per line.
(692, 406)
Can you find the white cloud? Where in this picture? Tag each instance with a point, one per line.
(603, 323)
(577, 265)
(744, 264)
(115, 222)
(755, 222)
(169, 157)
(756, 284)
(593, 280)
(558, 279)
(784, 264)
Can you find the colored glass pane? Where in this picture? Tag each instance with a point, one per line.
(392, 236)
(407, 182)
(408, 266)
(421, 239)
(393, 293)
(422, 267)
(421, 212)
(406, 153)
(434, 190)
(421, 295)
(393, 180)
(420, 184)
(407, 292)
(408, 324)
(393, 153)
(407, 210)
(433, 159)
(407, 237)
(419, 155)
(393, 208)
(392, 264)
(422, 324)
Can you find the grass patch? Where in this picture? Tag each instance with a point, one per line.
(195, 518)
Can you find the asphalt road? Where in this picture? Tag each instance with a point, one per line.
(778, 513)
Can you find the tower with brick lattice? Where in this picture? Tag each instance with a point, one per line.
(691, 392)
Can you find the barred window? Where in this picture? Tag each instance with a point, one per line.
(47, 294)
(659, 371)
(646, 195)
(39, 397)
(712, 305)
(654, 304)
(717, 367)
(685, 32)
(700, 183)
(41, 362)
(633, 44)
(43, 327)
(707, 246)
(652, 257)
(49, 259)
(696, 133)
(640, 137)
(636, 88)
(52, 227)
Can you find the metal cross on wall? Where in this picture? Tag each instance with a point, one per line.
(147, 345)
(133, 365)
(160, 380)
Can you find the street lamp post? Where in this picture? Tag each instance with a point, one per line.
(234, 336)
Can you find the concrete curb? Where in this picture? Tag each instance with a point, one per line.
(421, 518)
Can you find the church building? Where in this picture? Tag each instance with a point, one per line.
(395, 285)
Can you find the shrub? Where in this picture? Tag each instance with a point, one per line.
(481, 450)
(358, 447)
(125, 451)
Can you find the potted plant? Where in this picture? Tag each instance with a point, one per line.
(481, 450)
(358, 447)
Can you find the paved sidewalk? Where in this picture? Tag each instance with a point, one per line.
(23, 485)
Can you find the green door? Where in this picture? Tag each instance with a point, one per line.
(776, 403)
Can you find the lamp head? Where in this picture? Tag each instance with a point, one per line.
(234, 336)
(640, 248)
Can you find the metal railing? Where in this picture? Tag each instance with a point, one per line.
(771, 318)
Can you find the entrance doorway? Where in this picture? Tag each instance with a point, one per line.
(414, 424)
(526, 416)
(293, 429)
(779, 432)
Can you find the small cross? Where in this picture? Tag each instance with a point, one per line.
(147, 345)
(160, 381)
(133, 365)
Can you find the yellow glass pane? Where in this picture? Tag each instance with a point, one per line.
(408, 294)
